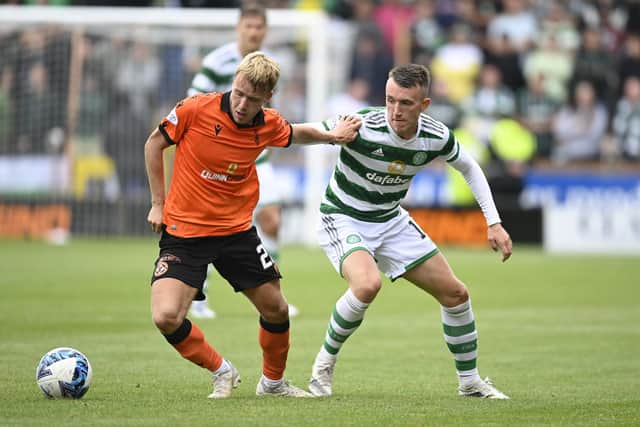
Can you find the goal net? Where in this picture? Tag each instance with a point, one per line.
(81, 88)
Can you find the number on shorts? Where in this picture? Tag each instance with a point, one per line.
(265, 259)
(422, 235)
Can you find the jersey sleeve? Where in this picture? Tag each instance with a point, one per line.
(280, 131)
(177, 121)
(451, 149)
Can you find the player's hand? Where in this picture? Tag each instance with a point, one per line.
(155, 218)
(347, 129)
(499, 239)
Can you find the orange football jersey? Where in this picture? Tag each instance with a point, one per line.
(214, 188)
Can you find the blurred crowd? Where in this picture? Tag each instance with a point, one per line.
(522, 82)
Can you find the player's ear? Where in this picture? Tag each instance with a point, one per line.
(268, 96)
(425, 103)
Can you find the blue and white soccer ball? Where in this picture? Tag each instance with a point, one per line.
(64, 372)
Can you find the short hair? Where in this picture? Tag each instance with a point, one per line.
(253, 9)
(260, 70)
(411, 75)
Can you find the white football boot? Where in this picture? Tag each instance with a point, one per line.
(322, 375)
(224, 383)
(482, 388)
(284, 388)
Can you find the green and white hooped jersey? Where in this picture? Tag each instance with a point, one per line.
(218, 69)
(216, 75)
(374, 172)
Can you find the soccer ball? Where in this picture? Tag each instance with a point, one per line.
(64, 372)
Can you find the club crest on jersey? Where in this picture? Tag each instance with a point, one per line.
(396, 167)
(217, 129)
(173, 117)
(419, 158)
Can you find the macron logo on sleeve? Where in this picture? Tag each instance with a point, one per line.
(173, 117)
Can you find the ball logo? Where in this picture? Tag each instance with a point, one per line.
(419, 158)
(161, 268)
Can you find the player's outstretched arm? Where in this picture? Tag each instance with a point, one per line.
(344, 132)
(153, 149)
(498, 238)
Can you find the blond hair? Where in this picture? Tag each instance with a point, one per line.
(260, 70)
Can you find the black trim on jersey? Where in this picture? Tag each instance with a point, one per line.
(290, 135)
(225, 105)
(166, 135)
(275, 328)
(180, 334)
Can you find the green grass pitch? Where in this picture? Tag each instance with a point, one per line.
(559, 334)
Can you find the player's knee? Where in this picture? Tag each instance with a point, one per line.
(275, 312)
(366, 290)
(167, 321)
(456, 294)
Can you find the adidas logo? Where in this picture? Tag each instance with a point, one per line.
(378, 152)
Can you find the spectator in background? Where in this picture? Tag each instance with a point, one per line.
(370, 62)
(507, 60)
(535, 111)
(40, 124)
(626, 121)
(458, 62)
(394, 17)
(490, 101)
(517, 24)
(579, 127)
(554, 63)
(629, 64)
(138, 77)
(556, 22)
(597, 65)
(476, 14)
(124, 130)
(448, 112)
(425, 33)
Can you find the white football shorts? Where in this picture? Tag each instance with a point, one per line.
(396, 245)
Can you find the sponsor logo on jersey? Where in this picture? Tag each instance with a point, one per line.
(173, 117)
(214, 176)
(396, 167)
(419, 158)
(386, 179)
(378, 152)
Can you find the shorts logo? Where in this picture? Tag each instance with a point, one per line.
(353, 238)
(170, 258)
(161, 268)
(419, 158)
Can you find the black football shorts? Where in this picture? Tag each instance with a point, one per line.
(240, 258)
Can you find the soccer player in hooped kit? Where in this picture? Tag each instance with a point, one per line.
(364, 229)
(207, 213)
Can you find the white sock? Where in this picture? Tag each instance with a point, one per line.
(270, 383)
(345, 319)
(225, 367)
